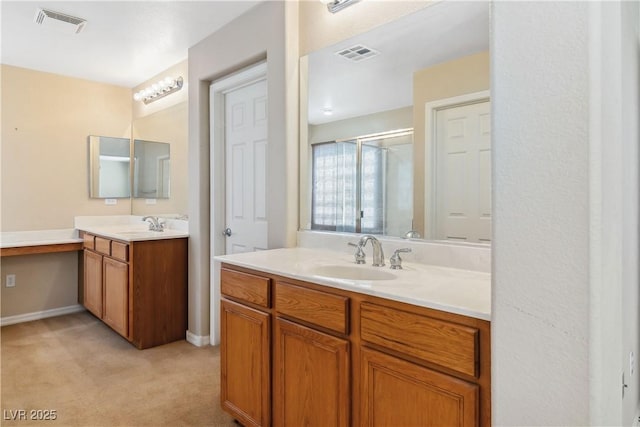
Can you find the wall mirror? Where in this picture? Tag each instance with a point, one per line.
(151, 169)
(385, 81)
(160, 168)
(109, 163)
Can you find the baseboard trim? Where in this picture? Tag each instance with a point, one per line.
(198, 340)
(37, 315)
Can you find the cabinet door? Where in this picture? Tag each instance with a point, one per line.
(92, 288)
(312, 377)
(399, 393)
(244, 364)
(116, 295)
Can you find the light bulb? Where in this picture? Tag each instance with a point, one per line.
(137, 96)
(155, 87)
(168, 81)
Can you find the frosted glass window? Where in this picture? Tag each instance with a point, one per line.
(363, 185)
(334, 186)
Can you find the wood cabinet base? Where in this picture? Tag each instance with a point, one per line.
(139, 289)
(295, 354)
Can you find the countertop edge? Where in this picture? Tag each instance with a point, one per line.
(481, 315)
(164, 235)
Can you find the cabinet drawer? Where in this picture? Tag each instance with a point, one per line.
(446, 344)
(89, 241)
(103, 246)
(316, 307)
(245, 287)
(120, 251)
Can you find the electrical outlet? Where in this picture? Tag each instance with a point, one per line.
(10, 281)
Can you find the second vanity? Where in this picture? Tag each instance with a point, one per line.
(135, 281)
(311, 338)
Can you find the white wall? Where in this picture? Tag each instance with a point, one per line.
(630, 112)
(565, 196)
(258, 34)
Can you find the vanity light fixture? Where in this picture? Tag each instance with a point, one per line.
(334, 6)
(159, 90)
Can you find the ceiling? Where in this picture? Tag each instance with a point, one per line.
(123, 43)
(438, 33)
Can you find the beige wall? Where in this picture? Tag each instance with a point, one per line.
(46, 119)
(318, 28)
(43, 282)
(383, 121)
(166, 120)
(453, 78)
(168, 125)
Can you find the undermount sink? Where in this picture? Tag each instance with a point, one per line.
(351, 272)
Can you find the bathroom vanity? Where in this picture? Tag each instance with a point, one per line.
(303, 345)
(136, 282)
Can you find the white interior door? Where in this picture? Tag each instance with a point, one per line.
(238, 171)
(463, 173)
(246, 168)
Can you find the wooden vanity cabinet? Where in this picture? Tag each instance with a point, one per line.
(116, 295)
(137, 288)
(311, 358)
(341, 358)
(400, 393)
(245, 363)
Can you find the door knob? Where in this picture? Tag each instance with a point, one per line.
(226, 232)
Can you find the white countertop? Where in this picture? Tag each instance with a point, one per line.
(15, 239)
(134, 233)
(452, 290)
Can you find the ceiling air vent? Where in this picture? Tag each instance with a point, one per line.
(59, 21)
(357, 53)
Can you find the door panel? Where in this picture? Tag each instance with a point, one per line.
(116, 295)
(247, 165)
(396, 393)
(463, 173)
(312, 382)
(244, 364)
(92, 299)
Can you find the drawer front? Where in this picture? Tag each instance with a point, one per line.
(120, 251)
(446, 344)
(89, 241)
(316, 307)
(245, 287)
(103, 246)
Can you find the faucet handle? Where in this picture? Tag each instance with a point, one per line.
(359, 255)
(395, 260)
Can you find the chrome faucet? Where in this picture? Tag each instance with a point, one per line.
(395, 260)
(378, 254)
(154, 224)
(359, 255)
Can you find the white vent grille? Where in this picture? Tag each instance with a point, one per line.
(59, 21)
(357, 53)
